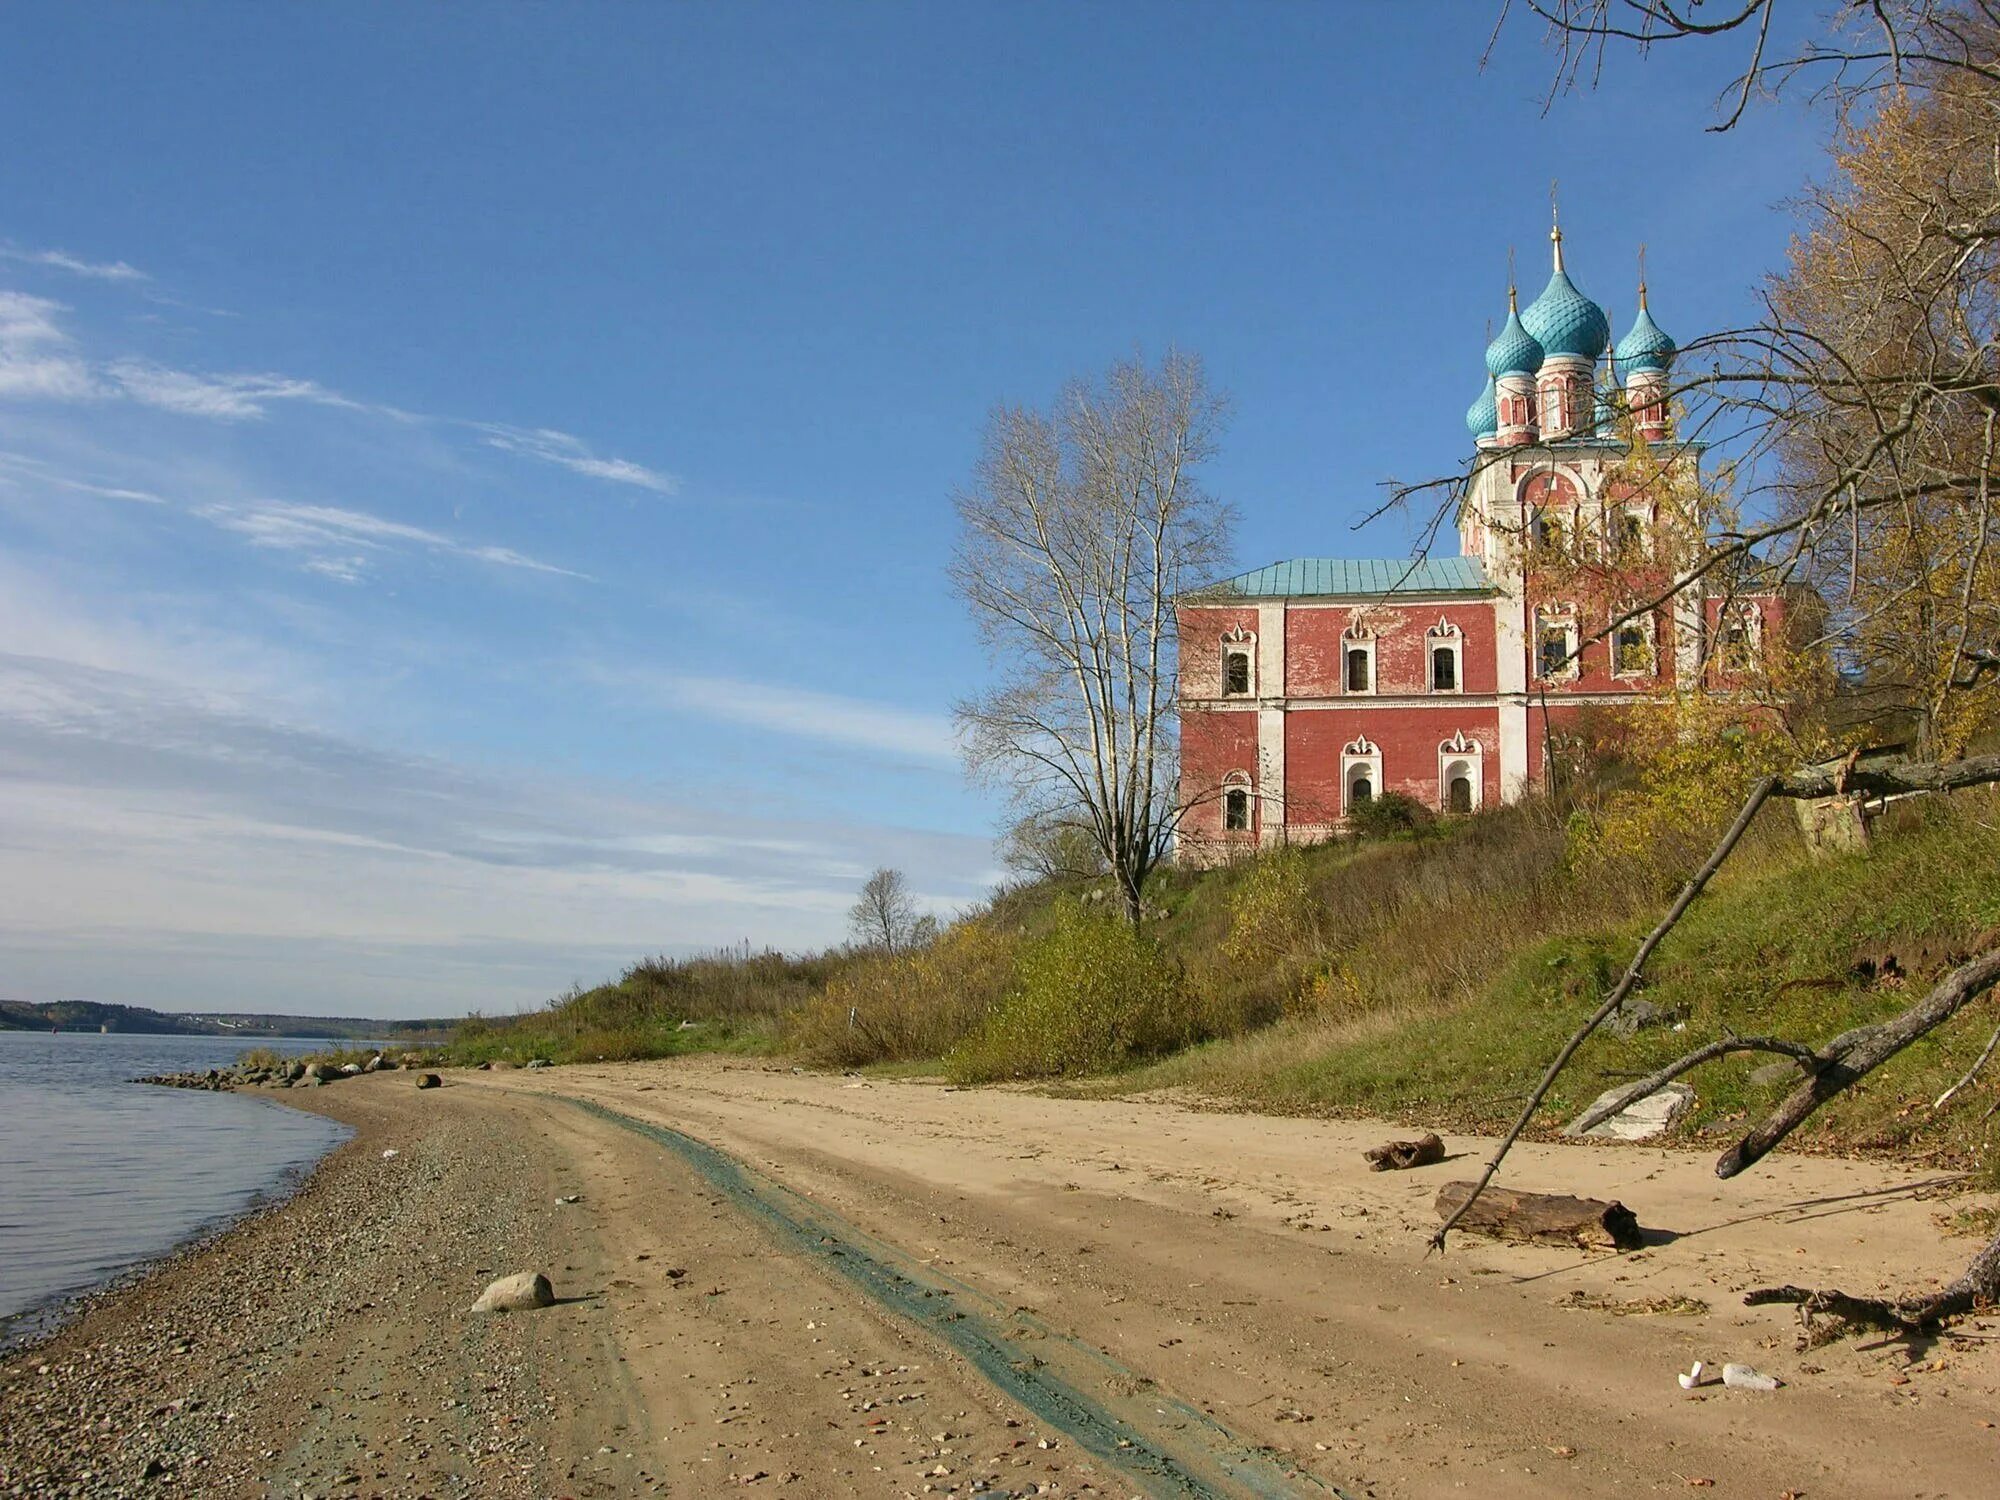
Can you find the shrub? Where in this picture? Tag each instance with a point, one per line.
(1391, 815)
(906, 1006)
(1092, 993)
(1274, 914)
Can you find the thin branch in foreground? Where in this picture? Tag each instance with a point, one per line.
(1759, 794)
(1652, 1083)
(1970, 1073)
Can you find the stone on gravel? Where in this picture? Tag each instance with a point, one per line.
(1643, 1118)
(1744, 1378)
(429, 1081)
(540, 1062)
(516, 1293)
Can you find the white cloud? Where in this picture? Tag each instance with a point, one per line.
(26, 321)
(803, 713)
(551, 446)
(62, 260)
(228, 398)
(184, 846)
(15, 466)
(36, 362)
(329, 535)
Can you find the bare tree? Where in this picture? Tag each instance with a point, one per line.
(1081, 526)
(885, 917)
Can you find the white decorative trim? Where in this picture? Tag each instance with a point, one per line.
(1357, 637)
(1271, 648)
(1558, 617)
(1648, 642)
(1464, 752)
(1360, 757)
(1236, 641)
(1271, 775)
(1444, 636)
(1235, 782)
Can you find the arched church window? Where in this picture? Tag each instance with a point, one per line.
(1358, 661)
(1631, 650)
(1548, 532)
(1459, 762)
(1444, 669)
(1236, 810)
(1236, 674)
(1555, 644)
(1363, 790)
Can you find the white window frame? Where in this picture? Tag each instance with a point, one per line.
(1237, 639)
(1359, 755)
(1751, 617)
(1444, 636)
(1239, 781)
(1551, 617)
(1357, 638)
(1649, 638)
(1642, 548)
(1461, 748)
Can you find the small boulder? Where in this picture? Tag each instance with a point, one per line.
(1642, 1119)
(429, 1081)
(516, 1293)
(540, 1062)
(1635, 1016)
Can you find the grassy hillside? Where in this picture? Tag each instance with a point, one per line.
(1781, 944)
(1426, 977)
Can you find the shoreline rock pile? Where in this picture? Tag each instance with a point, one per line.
(286, 1073)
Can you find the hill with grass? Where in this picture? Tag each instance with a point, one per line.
(1425, 974)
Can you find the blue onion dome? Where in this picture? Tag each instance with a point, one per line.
(1483, 416)
(1515, 351)
(1646, 347)
(1563, 320)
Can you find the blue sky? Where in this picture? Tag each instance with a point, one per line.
(475, 481)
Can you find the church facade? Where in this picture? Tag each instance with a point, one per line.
(1315, 684)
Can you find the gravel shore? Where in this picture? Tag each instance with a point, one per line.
(321, 1347)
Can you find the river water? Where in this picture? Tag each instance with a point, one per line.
(98, 1174)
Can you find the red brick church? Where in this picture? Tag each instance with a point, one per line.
(1315, 684)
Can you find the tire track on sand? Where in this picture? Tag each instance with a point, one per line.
(1150, 1438)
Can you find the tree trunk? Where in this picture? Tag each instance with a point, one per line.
(1541, 1218)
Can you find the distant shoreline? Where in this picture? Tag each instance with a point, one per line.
(93, 1018)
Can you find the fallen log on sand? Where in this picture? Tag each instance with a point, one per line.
(1542, 1218)
(1397, 1155)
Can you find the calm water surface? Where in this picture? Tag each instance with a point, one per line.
(98, 1174)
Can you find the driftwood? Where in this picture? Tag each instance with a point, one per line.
(1539, 1218)
(1397, 1155)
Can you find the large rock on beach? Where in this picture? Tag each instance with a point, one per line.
(429, 1081)
(1641, 1120)
(517, 1293)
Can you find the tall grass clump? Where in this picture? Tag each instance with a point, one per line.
(1091, 994)
(906, 1006)
(727, 1001)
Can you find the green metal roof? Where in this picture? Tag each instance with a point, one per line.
(1360, 577)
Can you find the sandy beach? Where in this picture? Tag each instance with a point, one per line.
(814, 1285)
